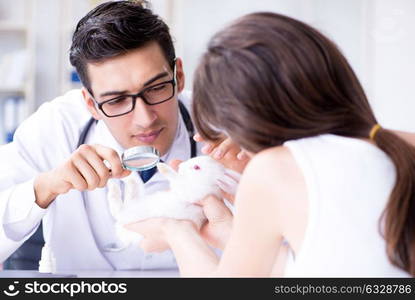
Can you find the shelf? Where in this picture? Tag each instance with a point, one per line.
(11, 90)
(17, 61)
(11, 27)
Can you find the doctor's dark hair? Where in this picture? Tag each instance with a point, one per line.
(267, 79)
(114, 28)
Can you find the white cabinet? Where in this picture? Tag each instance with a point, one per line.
(16, 64)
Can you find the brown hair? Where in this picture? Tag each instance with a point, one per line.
(113, 28)
(268, 78)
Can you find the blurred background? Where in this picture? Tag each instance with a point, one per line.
(376, 36)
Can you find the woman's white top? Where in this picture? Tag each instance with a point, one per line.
(348, 182)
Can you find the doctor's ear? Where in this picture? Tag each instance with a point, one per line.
(180, 75)
(90, 104)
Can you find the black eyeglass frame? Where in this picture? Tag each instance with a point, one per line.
(139, 95)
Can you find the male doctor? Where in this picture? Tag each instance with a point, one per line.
(54, 169)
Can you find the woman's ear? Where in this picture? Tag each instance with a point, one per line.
(90, 104)
(180, 75)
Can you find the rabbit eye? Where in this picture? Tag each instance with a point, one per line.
(196, 167)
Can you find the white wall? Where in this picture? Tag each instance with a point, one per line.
(393, 36)
(377, 37)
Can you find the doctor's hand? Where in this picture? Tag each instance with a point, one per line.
(84, 170)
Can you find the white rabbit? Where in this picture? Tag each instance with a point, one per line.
(117, 205)
(196, 178)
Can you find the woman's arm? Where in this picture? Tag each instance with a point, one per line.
(409, 137)
(193, 255)
(256, 233)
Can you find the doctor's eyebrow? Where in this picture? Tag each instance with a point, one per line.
(148, 82)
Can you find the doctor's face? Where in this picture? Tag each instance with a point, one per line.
(138, 70)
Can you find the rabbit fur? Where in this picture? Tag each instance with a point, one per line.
(195, 179)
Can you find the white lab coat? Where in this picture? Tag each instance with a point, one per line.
(77, 226)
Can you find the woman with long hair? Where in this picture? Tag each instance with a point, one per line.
(324, 178)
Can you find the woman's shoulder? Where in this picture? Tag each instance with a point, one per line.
(276, 183)
(271, 164)
(275, 174)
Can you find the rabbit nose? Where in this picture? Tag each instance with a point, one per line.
(196, 167)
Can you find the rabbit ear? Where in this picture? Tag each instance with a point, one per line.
(133, 189)
(167, 171)
(114, 197)
(229, 181)
(233, 174)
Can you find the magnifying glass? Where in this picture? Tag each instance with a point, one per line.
(140, 158)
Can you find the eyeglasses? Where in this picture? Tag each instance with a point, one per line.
(152, 95)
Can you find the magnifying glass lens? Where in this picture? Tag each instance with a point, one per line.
(140, 158)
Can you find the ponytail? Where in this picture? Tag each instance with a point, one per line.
(398, 219)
